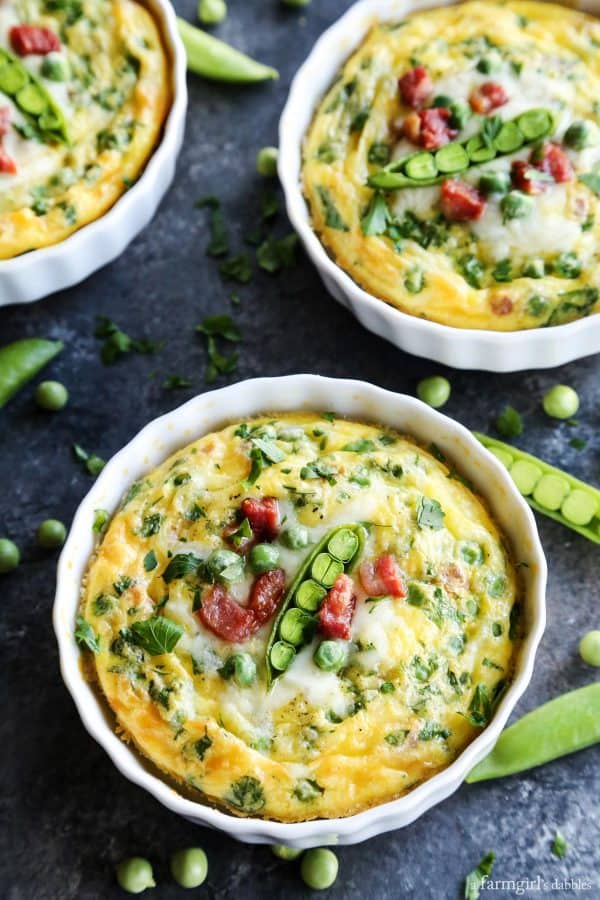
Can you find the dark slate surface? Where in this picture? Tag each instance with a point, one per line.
(68, 815)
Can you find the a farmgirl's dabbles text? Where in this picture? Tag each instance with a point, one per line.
(290, 602)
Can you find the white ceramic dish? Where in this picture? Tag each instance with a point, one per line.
(354, 399)
(33, 275)
(492, 351)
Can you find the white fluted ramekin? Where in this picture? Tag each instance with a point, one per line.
(356, 400)
(493, 351)
(42, 272)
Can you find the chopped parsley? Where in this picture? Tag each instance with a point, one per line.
(332, 217)
(475, 879)
(150, 561)
(275, 254)
(117, 343)
(94, 464)
(224, 327)
(237, 268)
(219, 242)
(173, 382)
(247, 794)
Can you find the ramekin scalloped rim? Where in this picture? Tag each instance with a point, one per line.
(492, 351)
(358, 400)
(37, 274)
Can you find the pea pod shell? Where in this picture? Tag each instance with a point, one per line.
(302, 573)
(564, 725)
(21, 361)
(592, 530)
(215, 59)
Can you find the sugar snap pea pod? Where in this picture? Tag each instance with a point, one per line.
(21, 361)
(32, 98)
(564, 725)
(550, 490)
(294, 625)
(208, 56)
(423, 169)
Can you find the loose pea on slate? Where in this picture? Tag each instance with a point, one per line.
(549, 490)
(422, 168)
(294, 625)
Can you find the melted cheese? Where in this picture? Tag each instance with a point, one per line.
(544, 56)
(413, 666)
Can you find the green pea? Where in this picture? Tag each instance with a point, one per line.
(266, 162)
(281, 655)
(189, 867)
(577, 135)
(560, 402)
(434, 391)
(568, 265)
(10, 556)
(241, 667)
(51, 534)
(494, 182)
(225, 566)
(286, 853)
(343, 545)
(296, 626)
(488, 64)
(460, 113)
(51, 395)
(263, 558)
(319, 868)
(134, 875)
(55, 67)
(309, 595)
(330, 656)
(295, 538)
(442, 100)
(589, 648)
(516, 205)
(325, 569)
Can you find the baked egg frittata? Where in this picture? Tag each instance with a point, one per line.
(301, 616)
(84, 91)
(453, 168)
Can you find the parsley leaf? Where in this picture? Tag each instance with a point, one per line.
(219, 326)
(157, 635)
(330, 212)
(202, 745)
(116, 343)
(430, 514)
(219, 243)
(237, 268)
(475, 879)
(181, 565)
(592, 181)
(247, 793)
(377, 216)
(509, 422)
(150, 561)
(362, 445)
(86, 636)
(172, 382)
(273, 254)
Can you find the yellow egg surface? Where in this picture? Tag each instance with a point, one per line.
(79, 122)
(362, 708)
(523, 253)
